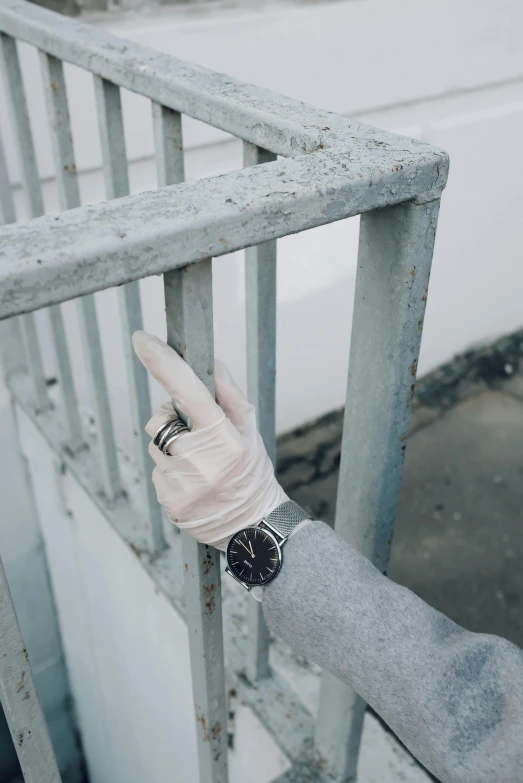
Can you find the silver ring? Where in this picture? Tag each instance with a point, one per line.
(176, 428)
(171, 440)
(161, 430)
(168, 433)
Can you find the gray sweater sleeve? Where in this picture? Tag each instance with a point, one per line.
(454, 698)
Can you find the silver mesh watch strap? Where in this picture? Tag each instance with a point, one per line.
(286, 517)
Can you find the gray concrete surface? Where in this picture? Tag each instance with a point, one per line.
(458, 541)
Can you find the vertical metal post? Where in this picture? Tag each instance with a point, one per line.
(69, 195)
(114, 157)
(31, 182)
(394, 260)
(7, 207)
(11, 342)
(189, 312)
(260, 283)
(168, 142)
(20, 700)
(188, 304)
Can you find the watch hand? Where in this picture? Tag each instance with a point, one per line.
(243, 545)
(250, 544)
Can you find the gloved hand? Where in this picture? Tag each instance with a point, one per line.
(218, 478)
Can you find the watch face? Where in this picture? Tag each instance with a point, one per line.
(253, 556)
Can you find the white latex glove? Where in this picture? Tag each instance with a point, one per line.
(218, 478)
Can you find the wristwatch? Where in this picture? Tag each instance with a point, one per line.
(254, 554)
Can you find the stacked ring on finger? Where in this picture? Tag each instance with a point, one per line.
(168, 433)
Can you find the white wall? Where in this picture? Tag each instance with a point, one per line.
(448, 72)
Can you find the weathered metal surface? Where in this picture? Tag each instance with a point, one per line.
(66, 181)
(271, 121)
(168, 143)
(260, 294)
(357, 168)
(394, 260)
(7, 207)
(112, 138)
(20, 119)
(69, 195)
(188, 305)
(114, 158)
(20, 700)
(109, 471)
(110, 244)
(17, 103)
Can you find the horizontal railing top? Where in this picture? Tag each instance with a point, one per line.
(56, 258)
(274, 122)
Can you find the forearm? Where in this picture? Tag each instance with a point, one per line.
(454, 698)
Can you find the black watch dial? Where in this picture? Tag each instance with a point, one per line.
(253, 556)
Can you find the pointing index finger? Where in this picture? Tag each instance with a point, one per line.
(178, 379)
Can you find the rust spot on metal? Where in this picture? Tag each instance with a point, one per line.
(54, 87)
(20, 683)
(223, 241)
(209, 591)
(410, 395)
(420, 324)
(403, 437)
(201, 720)
(136, 551)
(186, 566)
(413, 273)
(70, 169)
(26, 656)
(21, 736)
(414, 367)
(424, 298)
(288, 715)
(217, 730)
(207, 563)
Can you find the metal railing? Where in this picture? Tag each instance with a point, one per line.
(330, 168)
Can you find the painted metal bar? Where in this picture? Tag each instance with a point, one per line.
(114, 158)
(12, 352)
(168, 143)
(7, 207)
(92, 347)
(394, 260)
(188, 301)
(108, 244)
(260, 289)
(22, 129)
(35, 206)
(112, 138)
(68, 194)
(20, 700)
(274, 122)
